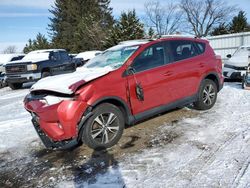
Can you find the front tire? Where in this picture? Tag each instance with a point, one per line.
(207, 95)
(15, 86)
(104, 128)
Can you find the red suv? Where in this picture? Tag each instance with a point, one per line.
(125, 84)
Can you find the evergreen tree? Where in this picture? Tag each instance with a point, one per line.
(220, 30)
(128, 27)
(151, 32)
(239, 23)
(40, 42)
(75, 23)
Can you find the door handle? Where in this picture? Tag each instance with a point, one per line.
(168, 73)
(202, 65)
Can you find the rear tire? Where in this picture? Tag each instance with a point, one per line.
(207, 95)
(15, 86)
(104, 128)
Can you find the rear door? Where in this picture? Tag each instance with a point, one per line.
(185, 69)
(148, 73)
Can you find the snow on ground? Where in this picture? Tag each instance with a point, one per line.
(212, 150)
(209, 150)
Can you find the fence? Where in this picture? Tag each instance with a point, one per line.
(227, 44)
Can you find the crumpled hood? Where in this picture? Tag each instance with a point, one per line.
(68, 83)
(240, 60)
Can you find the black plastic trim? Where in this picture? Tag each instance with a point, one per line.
(164, 108)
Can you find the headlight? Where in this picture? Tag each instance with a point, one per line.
(51, 100)
(2, 68)
(32, 67)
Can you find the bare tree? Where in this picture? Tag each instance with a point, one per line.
(203, 15)
(165, 19)
(10, 50)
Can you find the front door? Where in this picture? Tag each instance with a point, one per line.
(148, 76)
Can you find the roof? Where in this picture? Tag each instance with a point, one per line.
(47, 50)
(4, 58)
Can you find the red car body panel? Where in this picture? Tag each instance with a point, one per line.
(161, 85)
(58, 121)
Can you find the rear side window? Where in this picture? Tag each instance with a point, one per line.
(201, 47)
(64, 55)
(150, 58)
(183, 49)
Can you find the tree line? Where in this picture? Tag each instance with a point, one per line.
(78, 25)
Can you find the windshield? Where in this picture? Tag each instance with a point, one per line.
(35, 56)
(114, 57)
(242, 51)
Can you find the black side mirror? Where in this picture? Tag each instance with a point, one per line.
(229, 56)
(130, 70)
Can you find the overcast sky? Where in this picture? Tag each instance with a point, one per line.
(21, 20)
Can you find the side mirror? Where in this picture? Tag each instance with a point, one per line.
(229, 56)
(130, 70)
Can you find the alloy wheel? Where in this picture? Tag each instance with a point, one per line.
(208, 94)
(104, 128)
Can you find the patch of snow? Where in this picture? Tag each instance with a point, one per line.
(210, 150)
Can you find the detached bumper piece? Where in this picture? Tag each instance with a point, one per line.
(50, 143)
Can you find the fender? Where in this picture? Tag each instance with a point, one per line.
(129, 118)
(219, 84)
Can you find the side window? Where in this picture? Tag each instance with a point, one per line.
(64, 56)
(57, 56)
(150, 58)
(201, 47)
(183, 49)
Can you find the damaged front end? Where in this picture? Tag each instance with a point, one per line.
(56, 117)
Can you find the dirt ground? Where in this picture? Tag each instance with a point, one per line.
(46, 167)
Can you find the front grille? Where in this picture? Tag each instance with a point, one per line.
(15, 69)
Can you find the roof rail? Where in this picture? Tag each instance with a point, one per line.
(133, 41)
(177, 35)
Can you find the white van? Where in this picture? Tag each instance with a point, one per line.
(235, 67)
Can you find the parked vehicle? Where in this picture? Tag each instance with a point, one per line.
(237, 64)
(86, 56)
(4, 59)
(127, 83)
(36, 65)
(246, 79)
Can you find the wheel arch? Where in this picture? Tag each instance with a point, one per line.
(120, 103)
(214, 77)
(45, 69)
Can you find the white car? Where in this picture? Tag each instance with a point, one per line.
(86, 56)
(235, 67)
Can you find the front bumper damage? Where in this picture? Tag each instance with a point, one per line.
(48, 142)
(58, 125)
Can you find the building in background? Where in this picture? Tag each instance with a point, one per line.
(228, 44)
